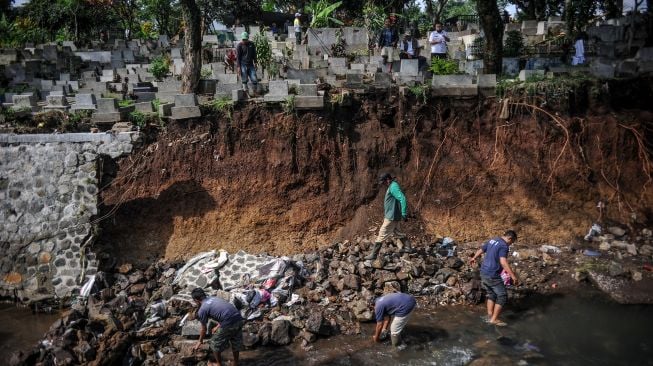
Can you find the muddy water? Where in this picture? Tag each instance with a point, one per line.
(20, 329)
(560, 330)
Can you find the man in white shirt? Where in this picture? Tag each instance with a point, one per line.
(438, 40)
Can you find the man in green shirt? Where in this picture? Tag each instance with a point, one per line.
(395, 209)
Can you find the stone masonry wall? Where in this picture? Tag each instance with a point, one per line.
(48, 201)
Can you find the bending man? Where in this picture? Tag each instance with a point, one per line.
(229, 329)
(399, 306)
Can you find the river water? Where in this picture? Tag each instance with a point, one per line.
(20, 329)
(555, 330)
(574, 330)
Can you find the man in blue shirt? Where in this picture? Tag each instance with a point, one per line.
(496, 253)
(395, 209)
(229, 329)
(387, 42)
(399, 306)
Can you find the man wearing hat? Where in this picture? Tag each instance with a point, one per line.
(410, 49)
(246, 60)
(395, 209)
(298, 28)
(229, 330)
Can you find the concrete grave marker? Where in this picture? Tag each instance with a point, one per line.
(83, 102)
(186, 107)
(454, 85)
(278, 91)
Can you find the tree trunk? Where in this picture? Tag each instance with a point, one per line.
(492, 26)
(190, 75)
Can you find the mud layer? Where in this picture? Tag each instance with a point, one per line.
(265, 181)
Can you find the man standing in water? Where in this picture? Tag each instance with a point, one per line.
(399, 306)
(229, 330)
(496, 253)
(395, 208)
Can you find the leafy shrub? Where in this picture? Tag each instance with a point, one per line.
(420, 91)
(444, 67)
(160, 67)
(223, 105)
(263, 51)
(138, 118)
(205, 73)
(125, 103)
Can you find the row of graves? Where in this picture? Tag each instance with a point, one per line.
(69, 79)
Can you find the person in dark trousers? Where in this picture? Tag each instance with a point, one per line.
(438, 40)
(395, 209)
(496, 253)
(410, 49)
(399, 306)
(229, 329)
(246, 61)
(387, 42)
(297, 24)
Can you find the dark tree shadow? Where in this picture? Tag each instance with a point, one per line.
(139, 230)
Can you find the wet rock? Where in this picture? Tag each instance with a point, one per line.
(443, 275)
(136, 277)
(250, 339)
(148, 348)
(64, 357)
(451, 281)
(280, 334)
(137, 289)
(631, 249)
(637, 276)
(646, 250)
(430, 269)
(605, 246)
(402, 275)
(615, 269)
(265, 333)
(307, 336)
(616, 231)
(361, 311)
(314, 322)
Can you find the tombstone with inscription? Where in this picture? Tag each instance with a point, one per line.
(56, 102)
(83, 102)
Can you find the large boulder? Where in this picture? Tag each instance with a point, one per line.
(280, 332)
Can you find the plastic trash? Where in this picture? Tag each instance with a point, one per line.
(595, 230)
(549, 249)
(86, 289)
(183, 320)
(591, 253)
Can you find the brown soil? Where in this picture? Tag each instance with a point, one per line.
(270, 182)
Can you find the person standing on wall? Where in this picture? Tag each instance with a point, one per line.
(496, 253)
(395, 209)
(246, 61)
(298, 28)
(438, 40)
(387, 42)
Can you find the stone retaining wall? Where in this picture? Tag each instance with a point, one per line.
(48, 201)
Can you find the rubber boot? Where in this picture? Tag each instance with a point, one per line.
(375, 252)
(396, 340)
(407, 248)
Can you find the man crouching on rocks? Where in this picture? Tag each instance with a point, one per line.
(399, 306)
(496, 253)
(229, 329)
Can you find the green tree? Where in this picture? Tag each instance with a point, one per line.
(162, 12)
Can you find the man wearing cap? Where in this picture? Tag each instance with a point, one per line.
(229, 329)
(298, 28)
(395, 209)
(246, 60)
(397, 305)
(409, 48)
(496, 253)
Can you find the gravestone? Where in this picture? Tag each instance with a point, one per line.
(307, 89)
(526, 74)
(454, 85)
(175, 53)
(487, 84)
(309, 102)
(144, 107)
(227, 78)
(83, 102)
(109, 112)
(382, 80)
(186, 107)
(50, 52)
(164, 42)
(278, 91)
(24, 103)
(409, 67)
(57, 102)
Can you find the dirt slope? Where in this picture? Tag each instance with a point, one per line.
(265, 181)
